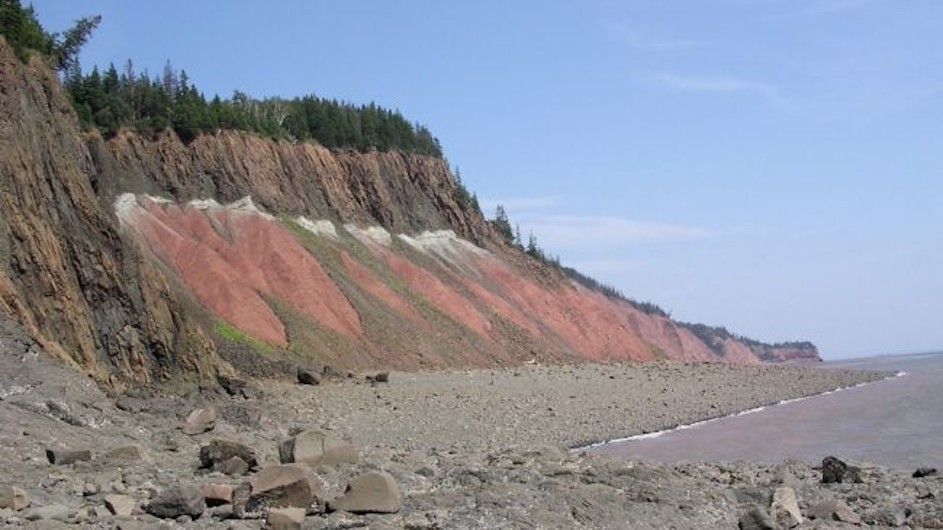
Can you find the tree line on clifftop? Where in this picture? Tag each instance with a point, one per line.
(108, 100)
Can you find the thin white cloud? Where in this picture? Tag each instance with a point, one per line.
(516, 205)
(560, 232)
(719, 84)
(642, 41)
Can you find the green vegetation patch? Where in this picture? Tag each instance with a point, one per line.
(229, 332)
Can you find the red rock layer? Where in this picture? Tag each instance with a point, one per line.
(233, 259)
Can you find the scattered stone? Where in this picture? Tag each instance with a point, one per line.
(784, 510)
(61, 456)
(235, 466)
(51, 512)
(176, 501)
(381, 377)
(373, 492)
(285, 518)
(126, 452)
(200, 421)
(217, 494)
(756, 518)
(317, 448)
(218, 451)
(236, 387)
(281, 486)
(13, 498)
(924, 472)
(120, 505)
(307, 377)
(836, 471)
(835, 510)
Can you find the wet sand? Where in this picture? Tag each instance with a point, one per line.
(895, 423)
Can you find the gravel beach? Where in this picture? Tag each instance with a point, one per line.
(463, 449)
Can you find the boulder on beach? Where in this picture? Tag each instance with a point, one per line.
(308, 377)
(374, 492)
(13, 498)
(924, 472)
(317, 448)
(199, 421)
(284, 486)
(835, 510)
(784, 510)
(217, 452)
(835, 470)
(285, 518)
(177, 500)
(62, 456)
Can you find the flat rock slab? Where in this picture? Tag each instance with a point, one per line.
(217, 494)
(317, 448)
(127, 453)
(62, 456)
(835, 510)
(52, 512)
(374, 492)
(285, 518)
(13, 498)
(283, 486)
(120, 505)
(200, 421)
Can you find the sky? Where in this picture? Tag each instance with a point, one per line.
(771, 166)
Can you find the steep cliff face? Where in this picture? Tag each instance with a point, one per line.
(402, 192)
(121, 258)
(69, 276)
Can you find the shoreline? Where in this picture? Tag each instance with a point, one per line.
(466, 449)
(694, 425)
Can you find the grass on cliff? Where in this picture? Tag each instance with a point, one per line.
(229, 332)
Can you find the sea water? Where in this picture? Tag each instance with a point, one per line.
(897, 422)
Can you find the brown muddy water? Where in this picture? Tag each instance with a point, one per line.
(897, 422)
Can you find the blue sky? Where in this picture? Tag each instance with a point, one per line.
(773, 166)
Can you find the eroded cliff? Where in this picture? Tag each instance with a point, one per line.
(154, 260)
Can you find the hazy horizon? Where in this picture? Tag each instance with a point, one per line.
(771, 167)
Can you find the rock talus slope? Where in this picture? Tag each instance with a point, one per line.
(141, 259)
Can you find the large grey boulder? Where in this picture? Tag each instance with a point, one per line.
(374, 492)
(284, 486)
(215, 454)
(836, 471)
(177, 500)
(317, 448)
(200, 421)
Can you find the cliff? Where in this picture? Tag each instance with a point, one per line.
(151, 260)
